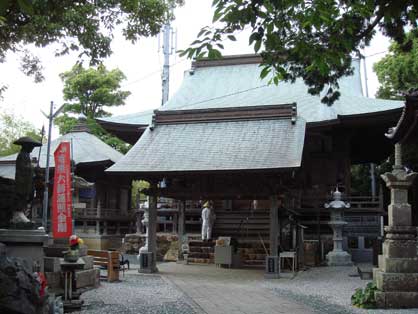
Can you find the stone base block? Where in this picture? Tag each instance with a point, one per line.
(339, 259)
(88, 262)
(398, 265)
(87, 278)
(147, 263)
(55, 282)
(271, 275)
(272, 270)
(400, 249)
(26, 244)
(52, 264)
(387, 282)
(396, 300)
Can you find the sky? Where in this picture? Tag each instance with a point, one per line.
(140, 62)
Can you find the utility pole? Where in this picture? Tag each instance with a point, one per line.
(168, 49)
(50, 117)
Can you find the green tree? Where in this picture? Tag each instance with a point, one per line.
(397, 72)
(312, 40)
(13, 127)
(85, 26)
(89, 92)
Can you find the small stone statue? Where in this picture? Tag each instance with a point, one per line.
(24, 179)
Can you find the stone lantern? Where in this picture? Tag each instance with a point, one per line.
(338, 257)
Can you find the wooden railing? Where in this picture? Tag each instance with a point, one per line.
(100, 213)
(362, 204)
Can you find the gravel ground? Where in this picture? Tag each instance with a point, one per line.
(139, 294)
(326, 290)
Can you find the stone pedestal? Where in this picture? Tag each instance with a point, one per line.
(147, 263)
(148, 253)
(397, 274)
(272, 270)
(338, 257)
(26, 244)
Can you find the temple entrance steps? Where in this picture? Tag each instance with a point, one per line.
(242, 224)
(253, 253)
(201, 252)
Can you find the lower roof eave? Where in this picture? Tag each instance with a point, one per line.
(157, 174)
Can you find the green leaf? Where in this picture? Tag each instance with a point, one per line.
(217, 15)
(26, 6)
(202, 31)
(257, 45)
(264, 72)
(4, 5)
(231, 37)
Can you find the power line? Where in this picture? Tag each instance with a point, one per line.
(374, 54)
(222, 96)
(151, 74)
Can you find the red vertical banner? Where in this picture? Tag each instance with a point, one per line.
(62, 196)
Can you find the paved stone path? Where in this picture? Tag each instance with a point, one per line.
(232, 291)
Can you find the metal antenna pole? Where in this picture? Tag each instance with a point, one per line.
(166, 67)
(48, 149)
(50, 117)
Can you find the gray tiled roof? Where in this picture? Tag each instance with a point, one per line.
(8, 170)
(139, 118)
(87, 148)
(240, 85)
(237, 145)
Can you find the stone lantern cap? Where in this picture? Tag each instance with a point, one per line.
(27, 142)
(337, 202)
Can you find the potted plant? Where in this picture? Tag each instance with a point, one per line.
(73, 254)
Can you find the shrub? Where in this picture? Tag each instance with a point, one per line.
(365, 298)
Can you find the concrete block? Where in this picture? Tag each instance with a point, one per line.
(341, 258)
(54, 280)
(87, 278)
(89, 262)
(400, 249)
(386, 282)
(52, 264)
(396, 300)
(398, 265)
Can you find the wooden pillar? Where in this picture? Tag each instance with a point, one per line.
(274, 225)
(181, 227)
(152, 224)
(105, 227)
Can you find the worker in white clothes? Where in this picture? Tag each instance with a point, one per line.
(208, 218)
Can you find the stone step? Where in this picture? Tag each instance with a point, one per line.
(202, 255)
(202, 243)
(201, 249)
(254, 263)
(192, 260)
